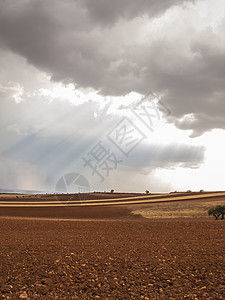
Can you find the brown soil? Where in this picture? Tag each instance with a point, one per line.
(65, 212)
(122, 259)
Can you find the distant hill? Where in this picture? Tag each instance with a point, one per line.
(19, 191)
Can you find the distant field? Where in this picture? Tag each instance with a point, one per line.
(181, 209)
(11, 195)
(111, 205)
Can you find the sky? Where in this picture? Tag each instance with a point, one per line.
(125, 95)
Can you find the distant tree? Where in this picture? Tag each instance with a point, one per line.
(112, 191)
(213, 211)
(221, 209)
(201, 191)
(189, 191)
(147, 192)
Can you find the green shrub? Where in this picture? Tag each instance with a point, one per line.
(217, 211)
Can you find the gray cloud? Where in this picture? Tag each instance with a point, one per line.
(147, 158)
(117, 47)
(109, 12)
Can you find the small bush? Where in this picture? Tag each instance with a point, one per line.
(217, 211)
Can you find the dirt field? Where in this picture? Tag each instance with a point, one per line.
(167, 250)
(133, 259)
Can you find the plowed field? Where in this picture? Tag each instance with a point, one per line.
(120, 259)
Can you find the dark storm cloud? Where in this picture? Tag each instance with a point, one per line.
(65, 40)
(109, 12)
(96, 44)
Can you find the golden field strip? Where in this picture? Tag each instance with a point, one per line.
(95, 200)
(116, 201)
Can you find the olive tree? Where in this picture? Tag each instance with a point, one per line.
(221, 209)
(217, 211)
